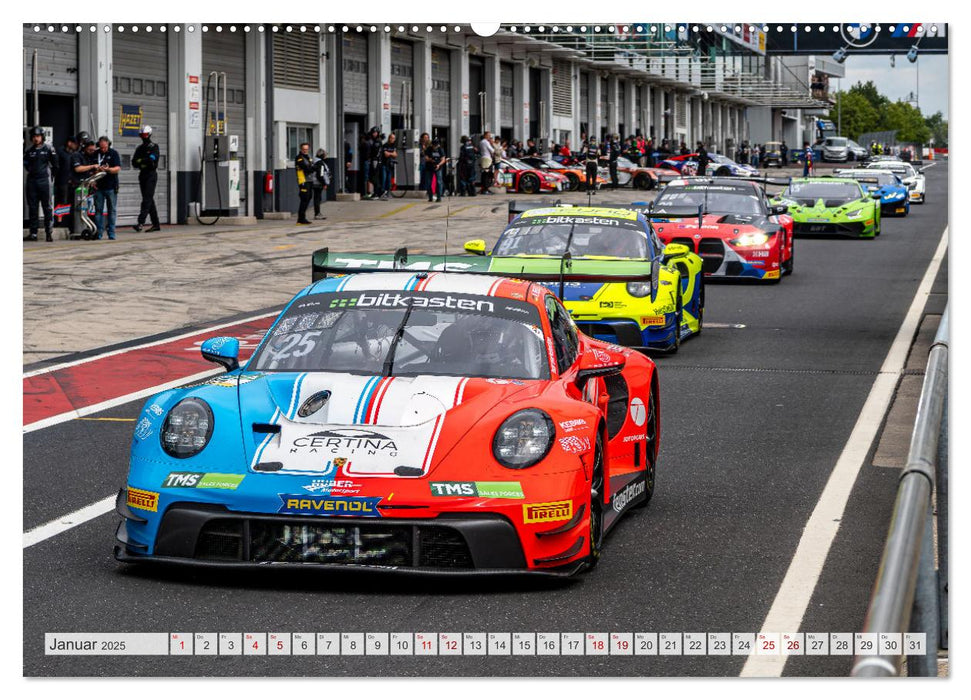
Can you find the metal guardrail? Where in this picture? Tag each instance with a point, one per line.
(907, 595)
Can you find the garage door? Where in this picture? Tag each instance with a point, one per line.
(227, 53)
(355, 74)
(562, 88)
(506, 95)
(140, 86)
(57, 60)
(441, 87)
(402, 76)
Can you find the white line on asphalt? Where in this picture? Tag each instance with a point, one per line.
(790, 604)
(54, 368)
(66, 522)
(111, 403)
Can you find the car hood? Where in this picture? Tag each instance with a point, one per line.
(366, 426)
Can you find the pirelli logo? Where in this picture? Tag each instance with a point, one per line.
(547, 512)
(143, 500)
(652, 320)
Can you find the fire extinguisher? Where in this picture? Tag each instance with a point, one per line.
(268, 183)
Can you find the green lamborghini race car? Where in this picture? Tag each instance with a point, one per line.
(615, 277)
(831, 205)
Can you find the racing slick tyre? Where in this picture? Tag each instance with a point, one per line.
(574, 181)
(643, 181)
(701, 304)
(650, 450)
(529, 184)
(723, 172)
(781, 270)
(678, 320)
(787, 266)
(597, 485)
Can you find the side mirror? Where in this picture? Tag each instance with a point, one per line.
(650, 206)
(780, 209)
(597, 363)
(876, 195)
(222, 350)
(476, 247)
(673, 250)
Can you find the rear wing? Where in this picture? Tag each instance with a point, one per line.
(530, 268)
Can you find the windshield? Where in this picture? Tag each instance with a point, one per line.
(833, 193)
(837, 143)
(720, 200)
(718, 158)
(588, 236)
(517, 164)
(625, 162)
(901, 169)
(445, 334)
(868, 177)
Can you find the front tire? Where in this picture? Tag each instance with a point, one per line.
(790, 263)
(678, 320)
(643, 181)
(529, 184)
(574, 181)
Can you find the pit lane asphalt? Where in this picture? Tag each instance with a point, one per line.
(753, 420)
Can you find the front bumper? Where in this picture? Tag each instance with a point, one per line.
(212, 536)
(856, 229)
(628, 332)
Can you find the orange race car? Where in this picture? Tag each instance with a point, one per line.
(576, 174)
(408, 421)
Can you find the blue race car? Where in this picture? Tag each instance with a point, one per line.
(718, 166)
(894, 194)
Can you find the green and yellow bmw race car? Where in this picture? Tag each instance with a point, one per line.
(615, 277)
(831, 206)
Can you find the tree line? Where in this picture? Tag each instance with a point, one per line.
(865, 109)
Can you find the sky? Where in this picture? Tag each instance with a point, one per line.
(896, 83)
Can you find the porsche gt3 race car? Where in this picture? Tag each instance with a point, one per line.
(576, 175)
(730, 223)
(422, 422)
(894, 195)
(516, 176)
(630, 173)
(830, 205)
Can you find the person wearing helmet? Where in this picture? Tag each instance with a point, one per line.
(40, 162)
(145, 160)
(591, 156)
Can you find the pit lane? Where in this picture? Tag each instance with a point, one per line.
(753, 420)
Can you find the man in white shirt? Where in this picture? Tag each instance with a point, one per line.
(486, 150)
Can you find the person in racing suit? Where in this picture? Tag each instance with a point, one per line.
(146, 159)
(591, 156)
(612, 149)
(40, 162)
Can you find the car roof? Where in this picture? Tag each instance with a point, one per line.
(732, 182)
(445, 282)
(817, 180)
(605, 212)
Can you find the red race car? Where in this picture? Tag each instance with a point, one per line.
(740, 233)
(517, 176)
(431, 422)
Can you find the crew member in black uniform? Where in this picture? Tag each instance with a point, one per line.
(146, 161)
(591, 155)
(468, 154)
(305, 173)
(40, 162)
(65, 180)
(613, 153)
(435, 167)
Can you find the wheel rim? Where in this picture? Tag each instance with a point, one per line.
(596, 503)
(529, 184)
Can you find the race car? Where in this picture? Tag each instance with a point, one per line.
(654, 315)
(912, 177)
(730, 223)
(576, 175)
(629, 172)
(516, 176)
(894, 195)
(407, 422)
(718, 166)
(831, 205)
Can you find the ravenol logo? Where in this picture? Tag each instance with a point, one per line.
(300, 504)
(547, 512)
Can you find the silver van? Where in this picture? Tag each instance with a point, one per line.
(836, 149)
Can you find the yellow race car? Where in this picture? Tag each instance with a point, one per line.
(656, 314)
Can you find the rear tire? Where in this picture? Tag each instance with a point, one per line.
(643, 181)
(597, 486)
(574, 181)
(651, 433)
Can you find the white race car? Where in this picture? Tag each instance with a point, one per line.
(908, 174)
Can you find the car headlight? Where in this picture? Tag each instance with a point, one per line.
(750, 239)
(187, 428)
(854, 214)
(639, 289)
(523, 439)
